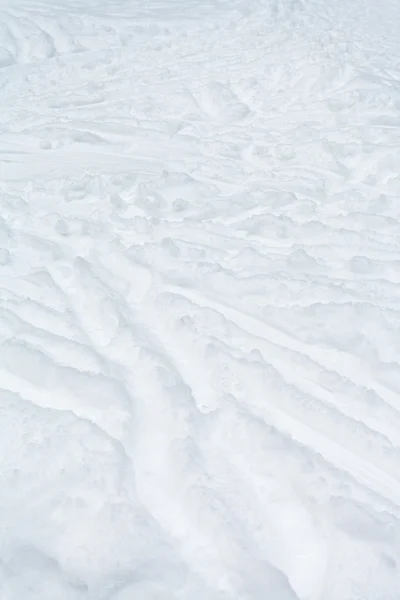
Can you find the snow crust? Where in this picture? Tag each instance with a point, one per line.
(199, 300)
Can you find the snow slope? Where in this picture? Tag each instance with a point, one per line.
(200, 300)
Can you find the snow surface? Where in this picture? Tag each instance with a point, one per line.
(200, 300)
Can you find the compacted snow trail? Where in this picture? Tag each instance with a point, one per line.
(199, 300)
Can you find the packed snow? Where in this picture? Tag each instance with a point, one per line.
(199, 300)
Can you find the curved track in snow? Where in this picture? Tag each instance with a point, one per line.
(199, 300)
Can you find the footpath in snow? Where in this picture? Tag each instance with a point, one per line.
(199, 300)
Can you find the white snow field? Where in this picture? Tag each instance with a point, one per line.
(200, 300)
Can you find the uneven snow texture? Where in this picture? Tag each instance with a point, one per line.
(200, 300)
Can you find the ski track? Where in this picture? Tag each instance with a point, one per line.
(199, 300)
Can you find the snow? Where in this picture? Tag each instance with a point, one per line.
(199, 300)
